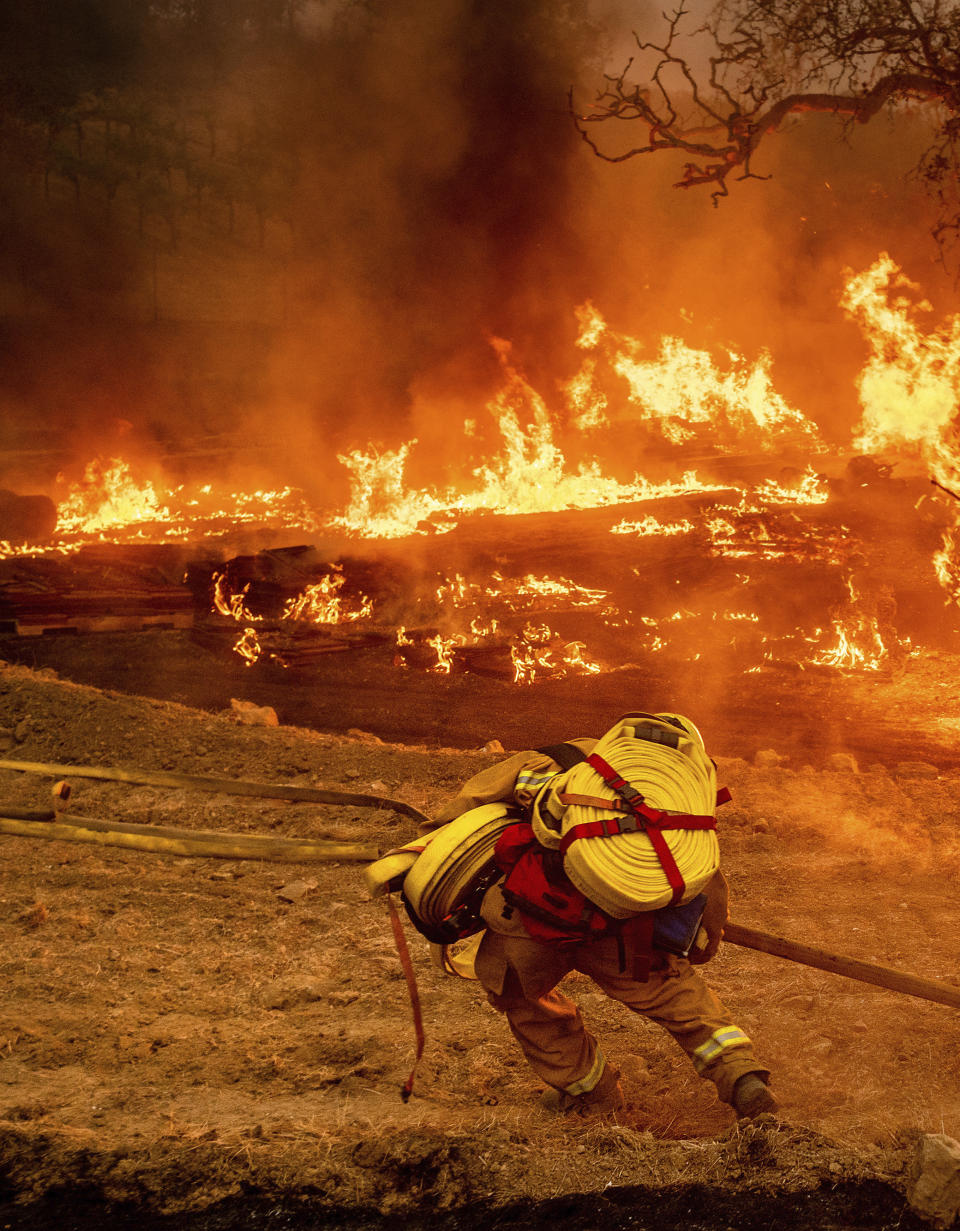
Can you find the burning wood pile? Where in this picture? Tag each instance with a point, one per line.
(838, 584)
(755, 545)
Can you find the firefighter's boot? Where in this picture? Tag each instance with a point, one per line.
(606, 1097)
(752, 1098)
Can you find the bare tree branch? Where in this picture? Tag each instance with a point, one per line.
(772, 59)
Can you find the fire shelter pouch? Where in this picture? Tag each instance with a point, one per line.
(675, 927)
(552, 910)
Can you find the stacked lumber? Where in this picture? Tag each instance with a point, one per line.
(104, 588)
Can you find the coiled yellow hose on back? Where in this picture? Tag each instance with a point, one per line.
(622, 874)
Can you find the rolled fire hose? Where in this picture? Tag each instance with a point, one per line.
(438, 870)
(444, 874)
(622, 874)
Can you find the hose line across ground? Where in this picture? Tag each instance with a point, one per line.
(198, 844)
(161, 840)
(223, 786)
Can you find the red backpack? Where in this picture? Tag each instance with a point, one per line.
(554, 912)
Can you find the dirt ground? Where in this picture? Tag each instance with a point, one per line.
(177, 1034)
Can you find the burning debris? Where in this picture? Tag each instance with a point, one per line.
(538, 566)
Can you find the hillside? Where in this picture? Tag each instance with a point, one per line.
(195, 1035)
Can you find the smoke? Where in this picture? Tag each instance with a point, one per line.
(296, 230)
(440, 204)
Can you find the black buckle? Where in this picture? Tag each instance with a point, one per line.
(656, 735)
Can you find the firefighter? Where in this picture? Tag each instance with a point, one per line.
(520, 971)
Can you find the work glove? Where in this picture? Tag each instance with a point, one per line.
(715, 915)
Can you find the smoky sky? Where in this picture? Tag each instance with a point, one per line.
(438, 197)
(322, 221)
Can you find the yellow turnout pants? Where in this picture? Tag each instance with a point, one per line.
(519, 976)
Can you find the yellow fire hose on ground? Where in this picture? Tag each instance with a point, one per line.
(222, 786)
(162, 840)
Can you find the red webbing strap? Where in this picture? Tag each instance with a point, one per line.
(662, 820)
(639, 932)
(650, 821)
(668, 863)
(404, 953)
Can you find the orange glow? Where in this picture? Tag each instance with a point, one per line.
(322, 603)
(653, 406)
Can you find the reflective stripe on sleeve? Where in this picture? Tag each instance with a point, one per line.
(724, 1039)
(586, 1084)
(529, 782)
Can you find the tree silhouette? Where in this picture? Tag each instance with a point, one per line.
(768, 60)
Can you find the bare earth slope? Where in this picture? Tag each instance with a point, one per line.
(175, 1033)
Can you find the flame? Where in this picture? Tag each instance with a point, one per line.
(322, 603)
(858, 646)
(585, 401)
(530, 474)
(529, 456)
(592, 327)
(230, 604)
(946, 561)
(808, 488)
(517, 594)
(109, 504)
(539, 651)
(755, 531)
(909, 386)
(538, 484)
(649, 526)
(444, 647)
(248, 647)
(683, 389)
(106, 498)
(484, 631)
(860, 642)
(534, 651)
(9, 551)
(531, 587)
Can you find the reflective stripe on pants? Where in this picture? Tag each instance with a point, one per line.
(520, 976)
